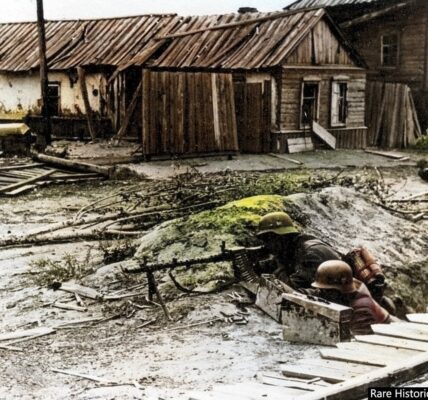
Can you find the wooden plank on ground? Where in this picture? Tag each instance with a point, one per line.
(418, 318)
(25, 182)
(357, 387)
(393, 342)
(377, 349)
(257, 391)
(358, 357)
(299, 145)
(324, 135)
(390, 330)
(419, 328)
(339, 365)
(315, 371)
(394, 156)
(282, 157)
(274, 379)
(26, 333)
(80, 290)
(20, 190)
(21, 166)
(214, 396)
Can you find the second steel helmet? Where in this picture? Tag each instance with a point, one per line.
(278, 223)
(335, 274)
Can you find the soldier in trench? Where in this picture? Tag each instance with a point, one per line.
(297, 257)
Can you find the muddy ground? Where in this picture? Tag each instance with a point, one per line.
(168, 359)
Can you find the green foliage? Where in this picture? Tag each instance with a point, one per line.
(46, 271)
(236, 217)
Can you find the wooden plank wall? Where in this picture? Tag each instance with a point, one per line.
(253, 114)
(391, 115)
(188, 113)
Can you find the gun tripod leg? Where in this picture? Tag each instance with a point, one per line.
(153, 288)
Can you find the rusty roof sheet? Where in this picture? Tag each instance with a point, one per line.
(231, 41)
(253, 44)
(327, 3)
(112, 41)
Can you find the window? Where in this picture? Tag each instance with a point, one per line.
(389, 50)
(339, 104)
(53, 98)
(309, 111)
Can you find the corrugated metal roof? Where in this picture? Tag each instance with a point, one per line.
(250, 45)
(326, 3)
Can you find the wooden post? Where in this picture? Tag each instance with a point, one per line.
(44, 138)
(83, 88)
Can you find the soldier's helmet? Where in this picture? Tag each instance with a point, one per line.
(335, 274)
(278, 223)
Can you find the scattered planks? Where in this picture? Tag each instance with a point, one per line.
(392, 155)
(21, 178)
(324, 135)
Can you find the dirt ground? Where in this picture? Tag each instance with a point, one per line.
(141, 355)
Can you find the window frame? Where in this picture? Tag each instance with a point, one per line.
(57, 85)
(382, 46)
(316, 82)
(338, 123)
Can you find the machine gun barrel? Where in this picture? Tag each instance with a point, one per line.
(224, 255)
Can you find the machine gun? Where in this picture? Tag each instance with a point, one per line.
(242, 258)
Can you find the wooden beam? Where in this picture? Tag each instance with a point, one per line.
(74, 165)
(357, 387)
(84, 90)
(241, 23)
(358, 357)
(371, 15)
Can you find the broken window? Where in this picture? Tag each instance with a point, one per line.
(389, 50)
(339, 104)
(53, 98)
(309, 111)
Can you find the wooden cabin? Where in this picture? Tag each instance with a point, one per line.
(252, 82)
(283, 71)
(392, 38)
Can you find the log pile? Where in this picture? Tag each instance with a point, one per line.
(391, 115)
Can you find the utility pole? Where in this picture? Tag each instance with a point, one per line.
(44, 138)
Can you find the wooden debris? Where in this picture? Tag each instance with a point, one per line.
(299, 145)
(313, 371)
(357, 387)
(30, 333)
(282, 157)
(70, 324)
(324, 135)
(79, 289)
(394, 156)
(418, 318)
(393, 342)
(370, 348)
(339, 365)
(360, 357)
(73, 165)
(68, 306)
(84, 376)
(26, 182)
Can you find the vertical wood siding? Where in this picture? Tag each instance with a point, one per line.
(187, 113)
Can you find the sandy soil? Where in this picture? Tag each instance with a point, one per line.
(158, 360)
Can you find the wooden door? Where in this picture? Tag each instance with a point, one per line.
(253, 102)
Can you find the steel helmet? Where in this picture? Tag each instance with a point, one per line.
(278, 223)
(335, 274)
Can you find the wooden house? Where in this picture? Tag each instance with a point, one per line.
(252, 82)
(392, 37)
